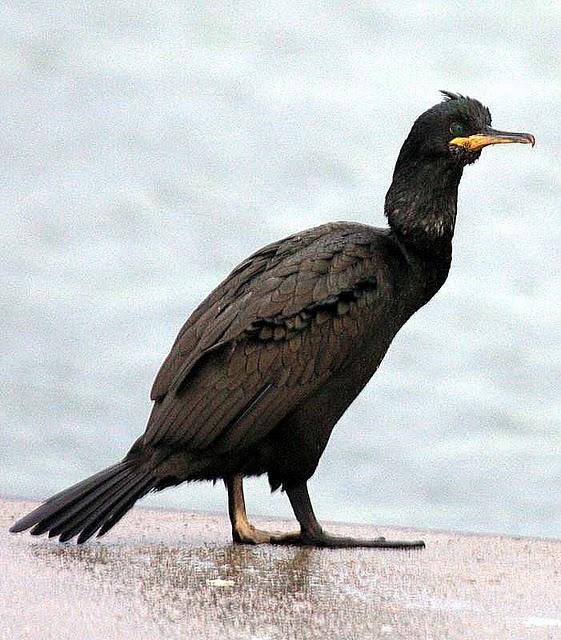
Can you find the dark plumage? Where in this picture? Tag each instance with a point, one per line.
(267, 364)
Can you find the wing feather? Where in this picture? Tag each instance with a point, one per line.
(280, 325)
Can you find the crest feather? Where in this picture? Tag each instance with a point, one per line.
(449, 95)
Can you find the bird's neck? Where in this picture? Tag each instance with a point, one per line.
(421, 204)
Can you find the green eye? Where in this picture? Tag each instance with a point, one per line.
(457, 129)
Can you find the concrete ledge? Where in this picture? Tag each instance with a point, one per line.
(171, 575)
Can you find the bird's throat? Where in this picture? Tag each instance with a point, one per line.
(421, 204)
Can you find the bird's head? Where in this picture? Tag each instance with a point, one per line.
(457, 128)
(421, 202)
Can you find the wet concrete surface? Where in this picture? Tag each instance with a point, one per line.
(162, 574)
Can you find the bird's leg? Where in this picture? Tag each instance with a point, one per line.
(243, 532)
(311, 533)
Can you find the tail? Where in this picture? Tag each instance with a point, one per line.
(95, 504)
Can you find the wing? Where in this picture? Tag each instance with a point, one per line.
(213, 317)
(283, 322)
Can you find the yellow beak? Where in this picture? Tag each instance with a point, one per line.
(491, 136)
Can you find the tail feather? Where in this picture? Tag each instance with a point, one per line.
(98, 501)
(133, 493)
(55, 521)
(95, 514)
(64, 498)
(117, 514)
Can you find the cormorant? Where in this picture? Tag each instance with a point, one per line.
(264, 368)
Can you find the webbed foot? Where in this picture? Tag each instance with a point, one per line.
(323, 539)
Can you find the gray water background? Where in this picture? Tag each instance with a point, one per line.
(146, 148)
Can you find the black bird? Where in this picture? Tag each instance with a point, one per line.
(264, 368)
